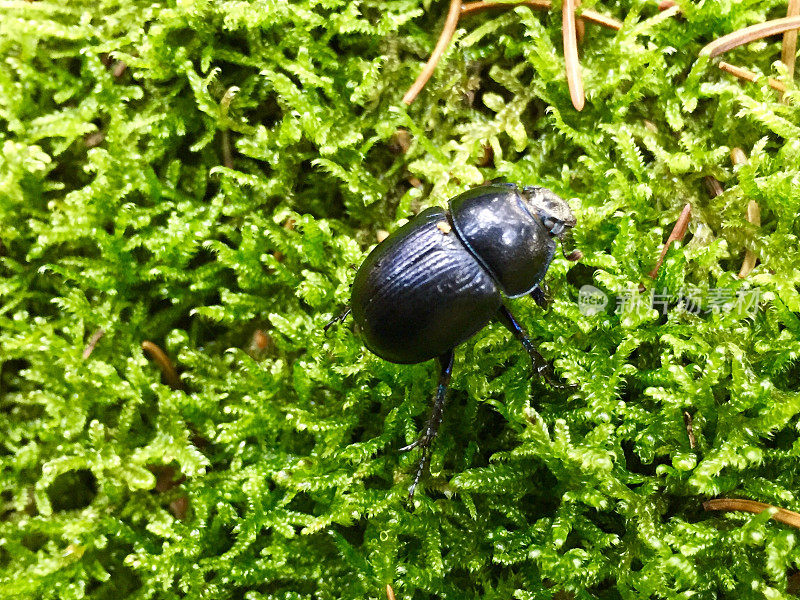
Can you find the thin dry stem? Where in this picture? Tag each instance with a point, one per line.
(444, 40)
(574, 79)
(748, 75)
(754, 213)
(789, 46)
(750, 257)
(119, 68)
(87, 352)
(389, 592)
(164, 363)
(713, 186)
(676, 236)
(783, 515)
(749, 34)
(738, 157)
(580, 28)
(227, 154)
(473, 7)
(601, 19)
(94, 139)
(665, 4)
(688, 422)
(469, 8)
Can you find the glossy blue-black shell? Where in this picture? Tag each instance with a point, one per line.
(421, 292)
(494, 222)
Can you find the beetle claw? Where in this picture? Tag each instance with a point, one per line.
(561, 386)
(423, 442)
(421, 467)
(545, 371)
(337, 319)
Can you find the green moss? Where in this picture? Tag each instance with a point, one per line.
(274, 471)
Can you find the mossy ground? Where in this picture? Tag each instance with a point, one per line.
(272, 472)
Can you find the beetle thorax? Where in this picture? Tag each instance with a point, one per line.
(500, 230)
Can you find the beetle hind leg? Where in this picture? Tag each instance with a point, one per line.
(540, 365)
(432, 426)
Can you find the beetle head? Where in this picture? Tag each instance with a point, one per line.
(554, 212)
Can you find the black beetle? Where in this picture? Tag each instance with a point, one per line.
(441, 278)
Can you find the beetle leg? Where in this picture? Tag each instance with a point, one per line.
(432, 427)
(337, 319)
(538, 295)
(540, 365)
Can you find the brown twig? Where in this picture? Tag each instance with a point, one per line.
(789, 46)
(688, 422)
(389, 592)
(750, 257)
(472, 7)
(469, 8)
(580, 28)
(749, 34)
(748, 75)
(789, 517)
(227, 155)
(444, 40)
(665, 4)
(94, 139)
(163, 362)
(601, 19)
(87, 352)
(457, 9)
(677, 234)
(738, 157)
(713, 186)
(224, 108)
(574, 79)
(119, 68)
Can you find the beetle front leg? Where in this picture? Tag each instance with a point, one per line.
(432, 427)
(540, 365)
